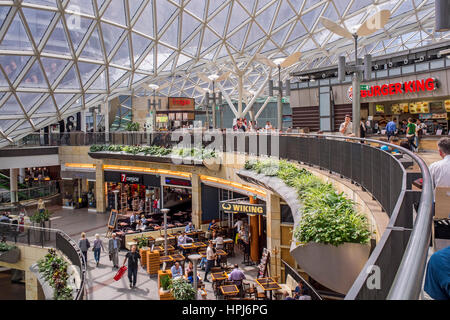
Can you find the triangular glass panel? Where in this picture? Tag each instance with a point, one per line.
(115, 74)
(29, 99)
(138, 77)
(218, 23)
(93, 49)
(23, 127)
(38, 121)
(284, 14)
(140, 44)
(77, 28)
(209, 39)
(182, 59)
(255, 34)
(57, 43)
(47, 106)
(6, 124)
(34, 78)
(112, 33)
(237, 39)
(134, 6)
(99, 83)
(238, 17)
(116, 12)
(4, 10)
(11, 107)
(310, 18)
(262, 3)
(38, 21)
(87, 70)
(3, 82)
(197, 8)
(62, 99)
(47, 3)
(164, 12)
(53, 67)
(189, 25)
(192, 46)
(81, 6)
(145, 22)
(125, 83)
(308, 45)
(147, 64)
(70, 80)
(170, 36)
(341, 6)
(122, 56)
(16, 37)
(298, 32)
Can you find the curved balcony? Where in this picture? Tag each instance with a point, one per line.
(402, 250)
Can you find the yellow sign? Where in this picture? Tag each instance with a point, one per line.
(447, 105)
(162, 119)
(396, 109)
(379, 108)
(243, 208)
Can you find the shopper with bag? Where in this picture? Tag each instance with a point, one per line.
(113, 249)
(84, 246)
(133, 258)
(98, 246)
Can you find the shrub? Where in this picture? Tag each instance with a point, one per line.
(328, 217)
(182, 289)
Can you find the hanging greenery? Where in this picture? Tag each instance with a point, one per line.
(328, 217)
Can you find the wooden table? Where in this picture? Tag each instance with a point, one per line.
(199, 245)
(202, 253)
(178, 257)
(219, 276)
(169, 248)
(221, 252)
(165, 259)
(229, 290)
(268, 284)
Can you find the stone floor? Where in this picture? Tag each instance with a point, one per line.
(100, 284)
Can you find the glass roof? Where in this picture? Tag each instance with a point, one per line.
(59, 56)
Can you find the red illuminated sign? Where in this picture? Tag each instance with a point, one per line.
(181, 104)
(392, 89)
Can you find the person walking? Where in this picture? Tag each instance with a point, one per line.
(84, 246)
(113, 249)
(411, 133)
(41, 206)
(391, 128)
(98, 246)
(346, 127)
(210, 260)
(133, 257)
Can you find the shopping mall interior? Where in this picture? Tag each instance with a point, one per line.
(217, 150)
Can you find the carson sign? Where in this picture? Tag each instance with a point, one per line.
(392, 89)
(236, 207)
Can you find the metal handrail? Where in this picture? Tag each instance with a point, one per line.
(80, 292)
(407, 284)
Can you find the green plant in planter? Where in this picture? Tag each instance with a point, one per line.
(328, 217)
(4, 247)
(141, 242)
(133, 126)
(39, 217)
(182, 289)
(165, 282)
(53, 269)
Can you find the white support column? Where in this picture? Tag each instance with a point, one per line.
(83, 120)
(21, 175)
(106, 114)
(241, 89)
(13, 175)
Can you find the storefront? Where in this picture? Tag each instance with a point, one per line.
(78, 190)
(424, 96)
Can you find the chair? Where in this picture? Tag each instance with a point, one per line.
(261, 295)
(250, 290)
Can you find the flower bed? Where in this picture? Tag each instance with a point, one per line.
(53, 270)
(327, 217)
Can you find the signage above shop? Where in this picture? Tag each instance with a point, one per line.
(392, 89)
(243, 207)
(181, 104)
(128, 178)
(178, 182)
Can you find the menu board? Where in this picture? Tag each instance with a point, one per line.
(263, 264)
(396, 109)
(414, 109)
(404, 107)
(425, 107)
(162, 119)
(379, 108)
(447, 105)
(112, 219)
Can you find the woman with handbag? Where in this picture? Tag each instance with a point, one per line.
(84, 246)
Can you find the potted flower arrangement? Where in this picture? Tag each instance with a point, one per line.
(182, 290)
(53, 270)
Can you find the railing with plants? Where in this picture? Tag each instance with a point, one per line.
(327, 217)
(156, 151)
(12, 233)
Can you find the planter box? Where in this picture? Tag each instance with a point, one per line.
(11, 256)
(334, 267)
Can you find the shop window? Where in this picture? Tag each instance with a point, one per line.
(422, 66)
(437, 64)
(303, 85)
(286, 214)
(382, 73)
(334, 81)
(394, 72)
(294, 85)
(325, 82)
(408, 69)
